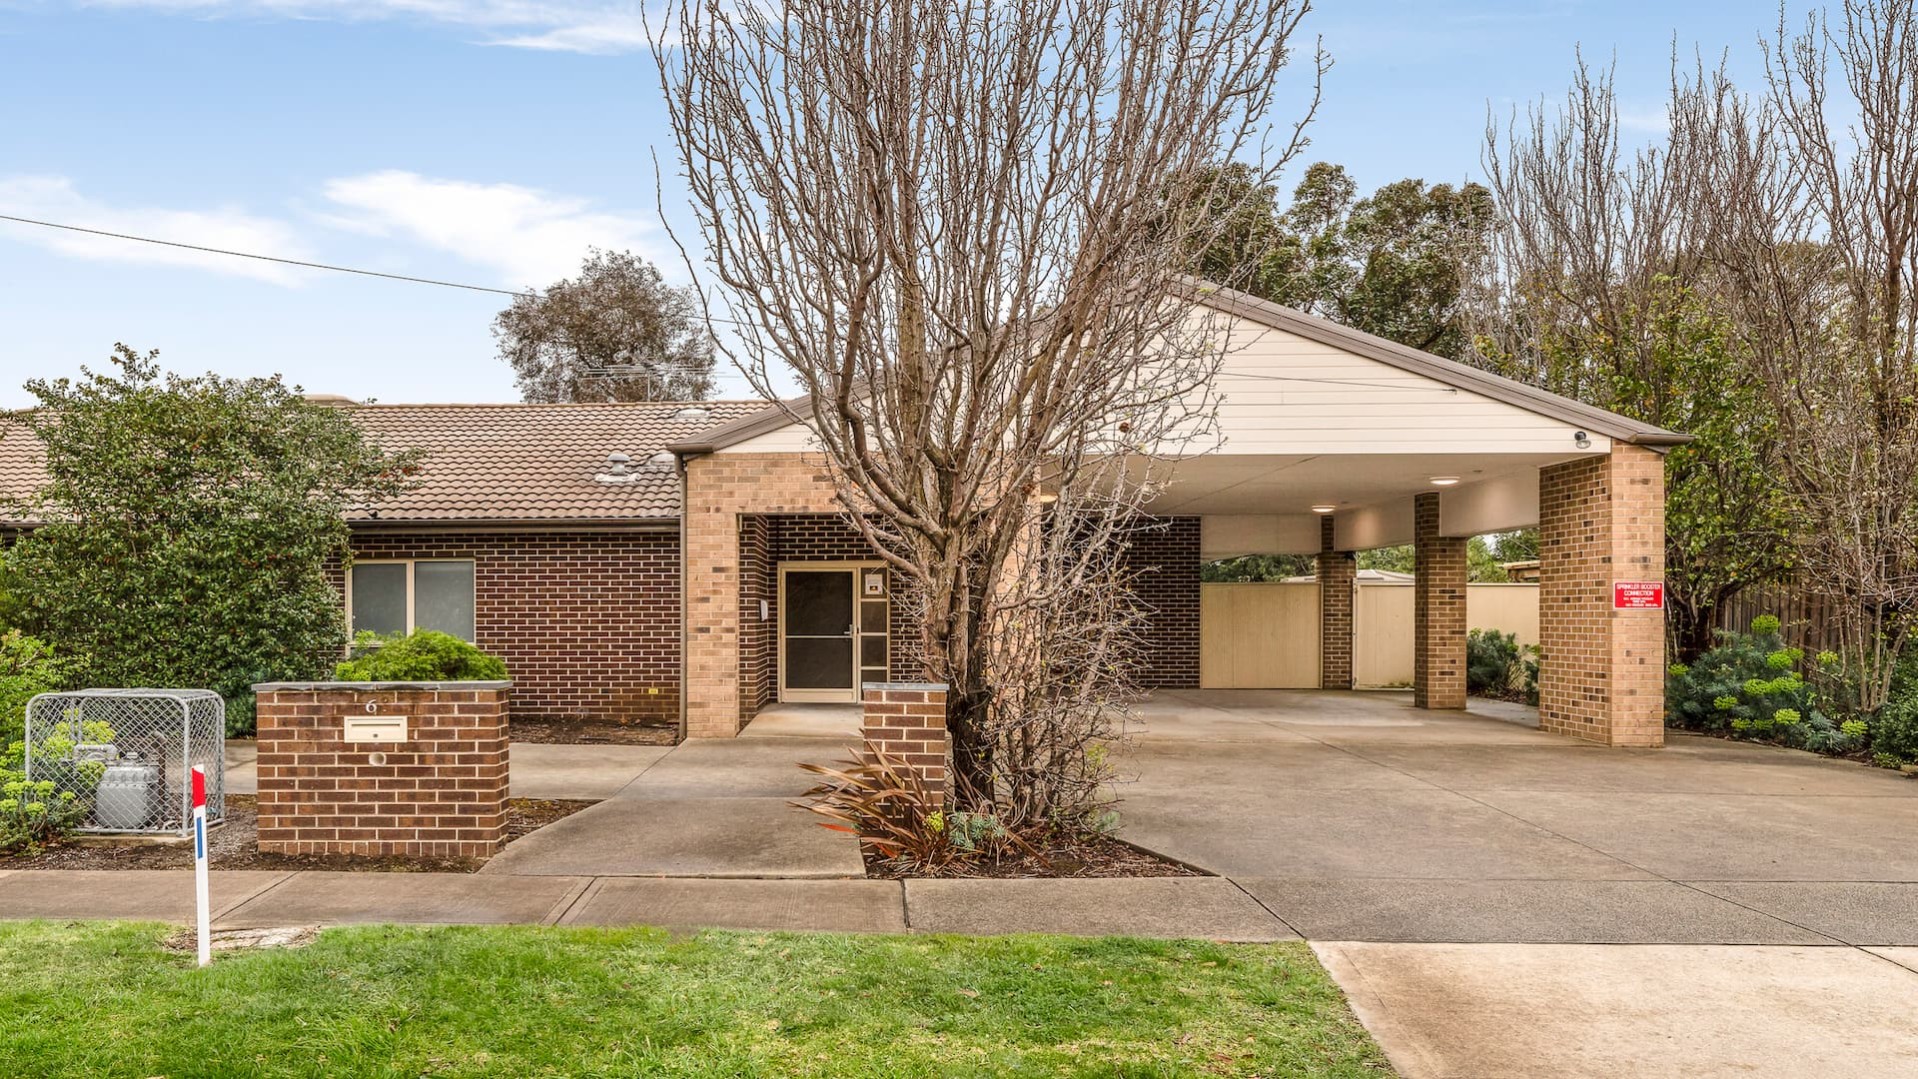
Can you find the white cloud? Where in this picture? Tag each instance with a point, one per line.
(554, 25)
(533, 237)
(54, 198)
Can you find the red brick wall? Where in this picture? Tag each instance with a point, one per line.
(1601, 671)
(1337, 572)
(439, 794)
(586, 622)
(1164, 560)
(907, 720)
(1440, 575)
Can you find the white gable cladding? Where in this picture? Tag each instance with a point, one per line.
(1280, 393)
(1284, 394)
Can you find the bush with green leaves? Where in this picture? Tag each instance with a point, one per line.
(1894, 731)
(1751, 686)
(423, 656)
(32, 814)
(1491, 662)
(188, 525)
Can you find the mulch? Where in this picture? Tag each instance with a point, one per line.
(1060, 856)
(550, 732)
(234, 845)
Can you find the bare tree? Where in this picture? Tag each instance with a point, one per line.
(1600, 286)
(617, 332)
(1811, 190)
(949, 223)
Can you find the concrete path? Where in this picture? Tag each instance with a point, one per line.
(1513, 1011)
(700, 809)
(1205, 907)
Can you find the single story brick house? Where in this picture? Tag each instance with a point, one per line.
(687, 563)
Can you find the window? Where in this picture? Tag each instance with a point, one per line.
(402, 596)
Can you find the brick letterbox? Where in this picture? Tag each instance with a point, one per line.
(383, 768)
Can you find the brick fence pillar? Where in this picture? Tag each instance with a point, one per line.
(1338, 572)
(1438, 619)
(437, 790)
(907, 720)
(1601, 670)
(719, 489)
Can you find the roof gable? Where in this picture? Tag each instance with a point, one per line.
(1502, 404)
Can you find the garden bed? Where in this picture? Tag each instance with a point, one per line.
(234, 844)
(1064, 856)
(590, 733)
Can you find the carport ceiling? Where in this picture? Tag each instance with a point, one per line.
(1267, 484)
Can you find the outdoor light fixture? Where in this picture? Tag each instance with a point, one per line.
(1582, 440)
(1323, 509)
(1444, 481)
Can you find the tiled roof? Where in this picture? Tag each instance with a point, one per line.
(509, 462)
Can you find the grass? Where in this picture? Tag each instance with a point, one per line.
(104, 999)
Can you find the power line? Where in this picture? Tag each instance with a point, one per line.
(534, 292)
(261, 258)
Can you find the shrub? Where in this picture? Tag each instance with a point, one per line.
(188, 526)
(28, 666)
(1491, 662)
(1894, 731)
(887, 805)
(424, 656)
(1751, 686)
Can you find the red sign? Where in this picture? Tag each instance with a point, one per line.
(199, 786)
(1638, 595)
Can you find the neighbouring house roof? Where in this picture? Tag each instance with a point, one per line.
(500, 463)
(1266, 313)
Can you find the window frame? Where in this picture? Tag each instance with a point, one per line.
(410, 563)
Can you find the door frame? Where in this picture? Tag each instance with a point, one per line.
(853, 570)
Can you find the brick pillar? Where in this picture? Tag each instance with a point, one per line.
(718, 489)
(438, 791)
(1601, 671)
(1438, 619)
(1338, 571)
(908, 720)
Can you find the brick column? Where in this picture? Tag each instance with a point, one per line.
(1438, 619)
(1338, 572)
(437, 792)
(1601, 671)
(908, 720)
(719, 488)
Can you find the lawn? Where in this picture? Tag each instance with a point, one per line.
(99, 999)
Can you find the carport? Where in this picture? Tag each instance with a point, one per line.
(1334, 442)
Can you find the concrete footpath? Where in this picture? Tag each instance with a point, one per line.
(1205, 907)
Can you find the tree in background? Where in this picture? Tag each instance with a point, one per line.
(1395, 263)
(617, 332)
(1813, 233)
(1603, 288)
(947, 224)
(187, 526)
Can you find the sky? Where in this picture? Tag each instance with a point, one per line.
(492, 142)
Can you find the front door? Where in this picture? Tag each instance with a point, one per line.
(832, 620)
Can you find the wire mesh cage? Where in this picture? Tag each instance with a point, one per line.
(120, 760)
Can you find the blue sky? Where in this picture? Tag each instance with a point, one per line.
(493, 141)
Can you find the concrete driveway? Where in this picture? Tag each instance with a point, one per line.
(1500, 902)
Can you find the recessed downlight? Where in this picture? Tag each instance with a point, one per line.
(1322, 509)
(1444, 481)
